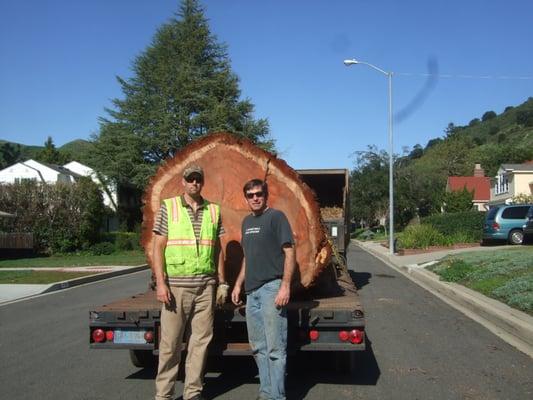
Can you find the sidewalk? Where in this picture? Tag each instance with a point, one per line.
(15, 292)
(511, 325)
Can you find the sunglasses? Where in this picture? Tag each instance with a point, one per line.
(191, 179)
(254, 194)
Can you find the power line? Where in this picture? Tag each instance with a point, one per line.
(462, 76)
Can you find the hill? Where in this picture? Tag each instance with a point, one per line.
(490, 140)
(420, 176)
(78, 150)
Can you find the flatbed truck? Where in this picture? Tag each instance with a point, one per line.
(327, 317)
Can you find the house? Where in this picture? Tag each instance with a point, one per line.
(109, 190)
(51, 174)
(479, 184)
(38, 171)
(511, 180)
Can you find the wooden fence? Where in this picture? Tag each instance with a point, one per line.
(16, 240)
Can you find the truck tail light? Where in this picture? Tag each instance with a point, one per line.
(109, 335)
(149, 336)
(314, 335)
(357, 336)
(495, 226)
(344, 336)
(99, 335)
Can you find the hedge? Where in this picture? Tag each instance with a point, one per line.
(466, 224)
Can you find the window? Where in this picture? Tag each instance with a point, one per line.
(515, 212)
(22, 180)
(502, 184)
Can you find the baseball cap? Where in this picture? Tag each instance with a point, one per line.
(193, 169)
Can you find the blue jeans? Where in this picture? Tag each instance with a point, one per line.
(267, 333)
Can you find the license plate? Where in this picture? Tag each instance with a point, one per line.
(129, 336)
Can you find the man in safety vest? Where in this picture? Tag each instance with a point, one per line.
(187, 231)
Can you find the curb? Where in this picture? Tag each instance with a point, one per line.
(93, 278)
(75, 282)
(513, 326)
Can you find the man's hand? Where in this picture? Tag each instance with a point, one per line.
(222, 293)
(163, 293)
(235, 295)
(283, 296)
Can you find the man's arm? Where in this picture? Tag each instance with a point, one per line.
(223, 287)
(163, 291)
(220, 262)
(284, 293)
(236, 293)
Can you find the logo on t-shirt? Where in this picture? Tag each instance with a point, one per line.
(252, 231)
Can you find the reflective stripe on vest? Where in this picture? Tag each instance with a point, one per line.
(184, 255)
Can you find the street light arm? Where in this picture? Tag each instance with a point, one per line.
(353, 61)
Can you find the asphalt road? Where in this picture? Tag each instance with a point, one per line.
(419, 348)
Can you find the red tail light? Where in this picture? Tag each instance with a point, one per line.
(313, 335)
(99, 335)
(149, 336)
(357, 336)
(495, 226)
(344, 336)
(109, 335)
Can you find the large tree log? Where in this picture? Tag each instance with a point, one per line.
(228, 163)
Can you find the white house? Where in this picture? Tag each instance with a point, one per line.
(34, 170)
(51, 174)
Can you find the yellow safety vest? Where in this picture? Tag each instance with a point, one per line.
(183, 255)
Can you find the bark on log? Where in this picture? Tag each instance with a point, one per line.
(229, 162)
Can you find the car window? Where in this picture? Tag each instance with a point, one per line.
(492, 213)
(515, 212)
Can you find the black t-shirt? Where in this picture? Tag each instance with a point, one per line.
(262, 239)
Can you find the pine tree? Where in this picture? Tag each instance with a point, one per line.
(182, 88)
(50, 154)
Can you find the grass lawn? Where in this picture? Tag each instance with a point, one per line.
(38, 277)
(133, 257)
(505, 275)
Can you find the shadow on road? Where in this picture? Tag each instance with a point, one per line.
(360, 279)
(304, 371)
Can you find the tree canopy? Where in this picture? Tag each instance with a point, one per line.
(182, 88)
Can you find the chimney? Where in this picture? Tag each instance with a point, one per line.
(478, 171)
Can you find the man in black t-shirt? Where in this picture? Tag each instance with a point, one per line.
(267, 269)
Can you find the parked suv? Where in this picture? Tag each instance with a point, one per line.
(506, 223)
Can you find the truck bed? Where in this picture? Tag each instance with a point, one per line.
(147, 301)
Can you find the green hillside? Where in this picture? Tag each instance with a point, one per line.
(12, 152)
(420, 176)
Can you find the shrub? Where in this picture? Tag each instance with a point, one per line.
(466, 225)
(455, 271)
(62, 217)
(102, 248)
(123, 240)
(127, 241)
(420, 237)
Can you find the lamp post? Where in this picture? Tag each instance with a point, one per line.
(349, 63)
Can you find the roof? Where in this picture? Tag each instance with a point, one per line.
(479, 184)
(518, 167)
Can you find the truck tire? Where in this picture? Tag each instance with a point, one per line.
(516, 236)
(143, 358)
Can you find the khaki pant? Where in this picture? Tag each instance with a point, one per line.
(191, 309)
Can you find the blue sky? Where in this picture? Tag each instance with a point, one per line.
(59, 59)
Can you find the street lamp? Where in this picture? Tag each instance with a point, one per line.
(349, 63)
